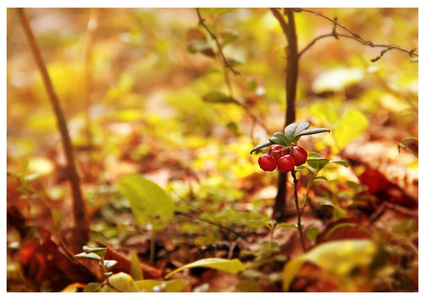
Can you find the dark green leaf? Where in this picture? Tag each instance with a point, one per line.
(260, 146)
(292, 130)
(312, 131)
(217, 97)
(282, 137)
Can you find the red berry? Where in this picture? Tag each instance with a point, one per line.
(267, 162)
(277, 151)
(299, 155)
(286, 163)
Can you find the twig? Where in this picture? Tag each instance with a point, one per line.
(213, 36)
(299, 212)
(82, 229)
(353, 36)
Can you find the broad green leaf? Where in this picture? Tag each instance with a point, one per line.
(150, 285)
(312, 131)
(260, 146)
(351, 125)
(312, 233)
(292, 130)
(217, 97)
(340, 260)
(136, 271)
(101, 251)
(257, 224)
(233, 266)
(228, 36)
(87, 256)
(340, 162)
(149, 203)
(283, 138)
(317, 163)
(122, 282)
(109, 264)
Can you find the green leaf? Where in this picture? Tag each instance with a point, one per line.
(121, 281)
(149, 203)
(351, 125)
(217, 97)
(285, 142)
(293, 130)
(109, 264)
(260, 146)
(99, 251)
(88, 256)
(312, 131)
(338, 259)
(136, 271)
(323, 110)
(317, 163)
(228, 36)
(339, 213)
(340, 162)
(310, 169)
(233, 266)
(233, 62)
(312, 233)
(149, 285)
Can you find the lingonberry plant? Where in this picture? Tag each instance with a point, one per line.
(286, 155)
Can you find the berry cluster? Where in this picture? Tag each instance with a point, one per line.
(285, 158)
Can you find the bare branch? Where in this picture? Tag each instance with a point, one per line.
(213, 36)
(352, 35)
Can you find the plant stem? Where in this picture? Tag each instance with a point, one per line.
(81, 229)
(299, 213)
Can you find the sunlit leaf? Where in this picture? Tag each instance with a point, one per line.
(87, 256)
(286, 225)
(351, 125)
(233, 266)
(312, 233)
(340, 162)
(121, 282)
(312, 131)
(337, 259)
(148, 201)
(101, 251)
(136, 271)
(320, 178)
(337, 79)
(324, 110)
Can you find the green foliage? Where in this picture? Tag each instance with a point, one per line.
(149, 203)
(293, 132)
(233, 266)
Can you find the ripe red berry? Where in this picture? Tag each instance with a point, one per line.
(299, 155)
(286, 163)
(267, 162)
(277, 151)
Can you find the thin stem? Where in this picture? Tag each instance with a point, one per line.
(81, 228)
(299, 213)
